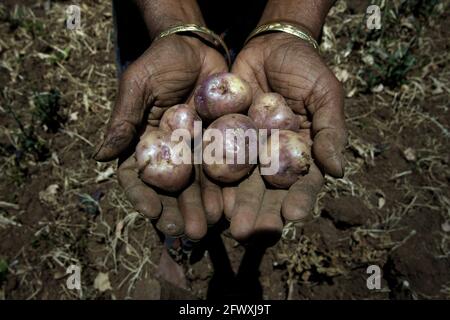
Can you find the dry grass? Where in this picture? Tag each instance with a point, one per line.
(425, 185)
(75, 228)
(81, 215)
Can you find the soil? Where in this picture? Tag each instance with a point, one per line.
(374, 216)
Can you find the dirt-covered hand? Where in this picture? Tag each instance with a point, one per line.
(165, 75)
(186, 213)
(287, 65)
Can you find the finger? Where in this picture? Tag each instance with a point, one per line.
(299, 202)
(190, 204)
(215, 64)
(328, 124)
(255, 77)
(130, 105)
(143, 198)
(212, 199)
(249, 195)
(153, 123)
(149, 128)
(229, 200)
(156, 113)
(304, 122)
(171, 222)
(269, 222)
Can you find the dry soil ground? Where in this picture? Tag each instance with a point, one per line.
(58, 207)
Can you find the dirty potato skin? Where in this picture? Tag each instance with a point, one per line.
(294, 159)
(158, 165)
(180, 116)
(231, 172)
(270, 111)
(221, 94)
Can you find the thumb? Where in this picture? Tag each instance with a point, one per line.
(255, 78)
(328, 124)
(133, 97)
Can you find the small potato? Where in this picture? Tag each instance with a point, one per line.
(180, 116)
(294, 156)
(232, 128)
(270, 111)
(221, 94)
(158, 163)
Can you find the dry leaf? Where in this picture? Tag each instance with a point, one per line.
(368, 59)
(446, 226)
(104, 175)
(381, 202)
(341, 74)
(55, 158)
(101, 282)
(410, 154)
(73, 116)
(378, 88)
(49, 194)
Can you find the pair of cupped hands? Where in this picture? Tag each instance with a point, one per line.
(167, 74)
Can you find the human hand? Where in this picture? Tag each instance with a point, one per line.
(164, 75)
(287, 65)
(184, 213)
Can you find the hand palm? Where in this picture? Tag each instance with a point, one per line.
(290, 67)
(163, 76)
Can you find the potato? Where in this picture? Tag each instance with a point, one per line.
(221, 94)
(159, 164)
(294, 158)
(231, 126)
(270, 111)
(180, 116)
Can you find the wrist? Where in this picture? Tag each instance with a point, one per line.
(310, 14)
(160, 15)
(202, 34)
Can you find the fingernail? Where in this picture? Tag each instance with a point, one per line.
(188, 242)
(336, 166)
(173, 231)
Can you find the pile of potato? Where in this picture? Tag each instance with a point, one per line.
(221, 102)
